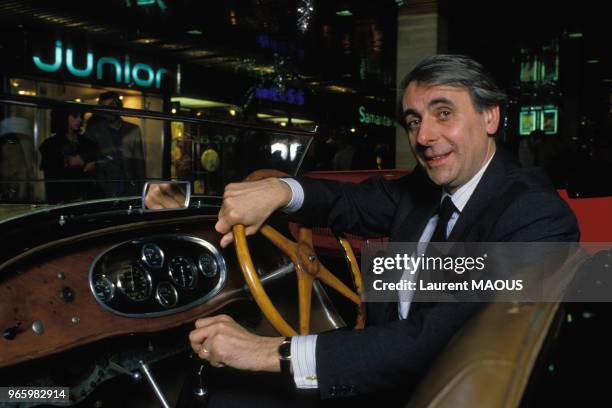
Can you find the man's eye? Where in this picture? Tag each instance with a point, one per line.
(444, 114)
(412, 124)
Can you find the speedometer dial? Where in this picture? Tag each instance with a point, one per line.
(182, 272)
(135, 282)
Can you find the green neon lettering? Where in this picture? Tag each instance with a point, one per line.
(139, 81)
(113, 62)
(79, 72)
(43, 66)
(126, 70)
(158, 76)
(362, 115)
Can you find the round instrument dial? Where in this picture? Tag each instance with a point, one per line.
(135, 282)
(208, 265)
(182, 272)
(152, 255)
(104, 288)
(166, 294)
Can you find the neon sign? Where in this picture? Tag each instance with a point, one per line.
(372, 119)
(141, 74)
(291, 95)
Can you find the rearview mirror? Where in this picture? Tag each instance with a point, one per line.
(166, 195)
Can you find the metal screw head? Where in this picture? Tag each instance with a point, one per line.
(62, 220)
(37, 327)
(75, 320)
(312, 258)
(61, 275)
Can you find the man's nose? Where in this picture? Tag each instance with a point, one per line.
(428, 133)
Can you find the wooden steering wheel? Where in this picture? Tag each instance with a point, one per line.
(307, 267)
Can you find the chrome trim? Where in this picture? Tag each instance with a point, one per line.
(158, 297)
(139, 241)
(275, 275)
(144, 368)
(332, 316)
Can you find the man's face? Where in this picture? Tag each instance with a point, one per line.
(113, 103)
(75, 122)
(449, 138)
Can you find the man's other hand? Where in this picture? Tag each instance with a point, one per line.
(164, 195)
(250, 203)
(223, 342)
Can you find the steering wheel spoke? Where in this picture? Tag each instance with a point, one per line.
(286, 245)
(305, 281)
(330, 280)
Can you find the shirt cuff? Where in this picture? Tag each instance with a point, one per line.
(304, 361)
(297, 195)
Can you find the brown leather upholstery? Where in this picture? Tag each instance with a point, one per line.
(488, 362)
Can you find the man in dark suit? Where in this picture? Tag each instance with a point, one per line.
(464, 189)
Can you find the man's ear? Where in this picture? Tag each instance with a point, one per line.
(491, 116)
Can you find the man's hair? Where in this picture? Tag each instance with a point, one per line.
(460, 71)
(110, 95)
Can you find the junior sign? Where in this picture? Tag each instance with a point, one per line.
(96, 66)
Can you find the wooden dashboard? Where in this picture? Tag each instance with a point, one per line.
(47, 305)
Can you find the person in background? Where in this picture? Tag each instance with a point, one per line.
(120, 159)
(67, 159)
(17, 164)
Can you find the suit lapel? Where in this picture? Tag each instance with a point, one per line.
(489, 187)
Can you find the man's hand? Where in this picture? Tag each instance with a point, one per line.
(75, 161)
(223, 342)
(250, 203)
(164, 195)
(91, 166)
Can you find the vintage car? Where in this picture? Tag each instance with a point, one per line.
(98, 294)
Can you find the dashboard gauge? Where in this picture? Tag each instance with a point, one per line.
(104, 288)
(135, 282)
(183, 272)
(166, 294)
(208, 264)
(152, 255)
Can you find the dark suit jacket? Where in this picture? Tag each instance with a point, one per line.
(509, 204)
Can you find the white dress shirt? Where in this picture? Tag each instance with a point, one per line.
(303, 348)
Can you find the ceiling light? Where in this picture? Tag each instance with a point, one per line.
(575, 35)
(194, 103)
(344, 13)
(593, 61)
(194, 32)
(232, 112)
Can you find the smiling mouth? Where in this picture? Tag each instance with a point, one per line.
(437, 159)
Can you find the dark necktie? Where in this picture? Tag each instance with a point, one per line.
(446, 210)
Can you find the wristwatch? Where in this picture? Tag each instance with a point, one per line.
(284, 354)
